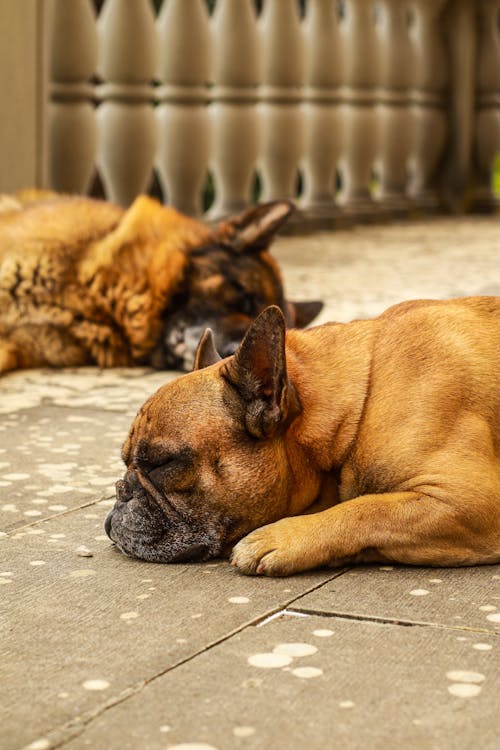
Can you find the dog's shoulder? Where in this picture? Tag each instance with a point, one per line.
(152, 233)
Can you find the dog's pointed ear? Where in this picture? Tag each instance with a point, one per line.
(206, 353)
(303, 313)
(254, 228)
(258, 373)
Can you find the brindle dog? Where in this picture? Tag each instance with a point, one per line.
(85, 282)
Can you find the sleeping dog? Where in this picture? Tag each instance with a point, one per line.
(85, 282)
(376, 440)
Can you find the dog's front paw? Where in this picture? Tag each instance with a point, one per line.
(278, 549)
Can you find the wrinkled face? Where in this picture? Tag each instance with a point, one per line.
(224, 290)
(196, 481)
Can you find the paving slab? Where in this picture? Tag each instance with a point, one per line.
(119, 389)
(301, 682)
(68, 620)
(166, 647)
(451, 597)
(65, 448)
(57, 459)
(361, 271)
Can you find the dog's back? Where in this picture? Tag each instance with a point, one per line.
(457, 338)
(63, 225)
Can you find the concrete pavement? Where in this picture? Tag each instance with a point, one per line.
(100, 651)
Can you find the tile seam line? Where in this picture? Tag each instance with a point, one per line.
(60, 736)
(11, 532)
(390, 621)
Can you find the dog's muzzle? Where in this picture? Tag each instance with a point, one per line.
(144, 524)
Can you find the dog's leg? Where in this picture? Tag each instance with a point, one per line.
(9, 357)
(405, 527)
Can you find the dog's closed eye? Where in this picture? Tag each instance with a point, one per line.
(161, 455)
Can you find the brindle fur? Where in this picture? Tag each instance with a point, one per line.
(85, 282)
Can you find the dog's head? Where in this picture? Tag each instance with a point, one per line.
(207, 455)
(227, 283)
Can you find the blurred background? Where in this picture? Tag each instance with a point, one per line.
(356, 109)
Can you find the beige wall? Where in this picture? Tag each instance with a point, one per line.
(23, 93)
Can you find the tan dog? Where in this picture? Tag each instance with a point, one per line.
(85, 282)
(385, 433)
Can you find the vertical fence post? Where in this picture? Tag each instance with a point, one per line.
(461, 42)
(282, 116)
(487, 135)
(322, 111)
(397, 69)
(182, 116)
(428, 103)
(72, 125)
(127, 126)
(235, 122)
(362, 73)
(24, 85)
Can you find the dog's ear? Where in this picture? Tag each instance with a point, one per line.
(258, 373)
(206, 353)
(303, 313)
(254, 228)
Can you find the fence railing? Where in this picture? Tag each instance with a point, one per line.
(351, 107)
